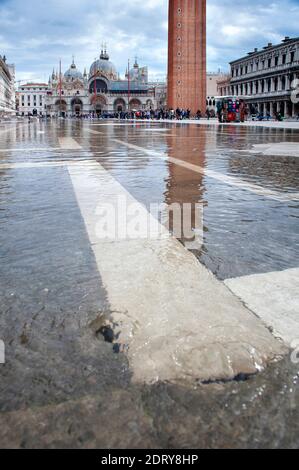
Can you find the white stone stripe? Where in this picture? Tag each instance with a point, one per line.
(34, 149)
(274, 297)
(216, 123)
(232, 181)
(68, 143)
(24, 165)
(12, 128)
(176, 321)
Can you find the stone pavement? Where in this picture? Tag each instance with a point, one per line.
(140, 342)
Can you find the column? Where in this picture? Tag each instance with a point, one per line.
(271, 109)
(272, 85)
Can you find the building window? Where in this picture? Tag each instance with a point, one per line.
(284, 59)
(292, 56)
(276, 61)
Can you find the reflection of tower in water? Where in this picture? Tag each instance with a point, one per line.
(184, 186)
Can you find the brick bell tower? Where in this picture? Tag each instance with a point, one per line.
(187, 81)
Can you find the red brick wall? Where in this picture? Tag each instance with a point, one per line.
(187, 55)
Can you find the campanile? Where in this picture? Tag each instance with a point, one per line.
(187, 55)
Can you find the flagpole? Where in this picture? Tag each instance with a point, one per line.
(129, 85)
(95, 89)
(60, 88)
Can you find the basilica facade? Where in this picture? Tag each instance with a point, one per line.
(100, 91)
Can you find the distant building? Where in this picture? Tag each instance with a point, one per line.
(32, 99)
(224, 85)
(212, 89)
(101, 91)
(160, 93)
(268, 77)
(7, 88)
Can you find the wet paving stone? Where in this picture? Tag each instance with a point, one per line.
(66, 385)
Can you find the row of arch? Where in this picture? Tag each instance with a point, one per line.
(99, 104)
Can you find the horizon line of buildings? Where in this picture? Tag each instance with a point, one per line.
(78, 96)
(268, 79)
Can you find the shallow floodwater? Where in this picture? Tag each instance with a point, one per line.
(52, 296)
(244, 233)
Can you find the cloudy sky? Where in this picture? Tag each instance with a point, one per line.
(34, 34)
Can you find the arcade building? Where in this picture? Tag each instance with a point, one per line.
(101, 91)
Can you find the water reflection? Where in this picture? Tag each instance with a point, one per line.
(184, 186)
(244, 233)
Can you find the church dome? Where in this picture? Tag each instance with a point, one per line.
(103, 66)
(73, 73)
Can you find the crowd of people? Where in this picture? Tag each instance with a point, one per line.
(151, 114)
(166, 114)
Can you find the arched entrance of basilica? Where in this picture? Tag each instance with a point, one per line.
(119, 105)
(61, 108)
(135, 105)
(99, 104)
(77, 107)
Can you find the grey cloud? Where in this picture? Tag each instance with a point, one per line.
(35, 34)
